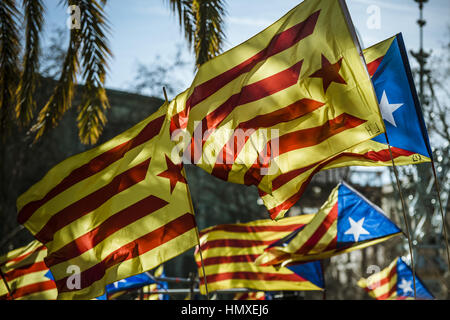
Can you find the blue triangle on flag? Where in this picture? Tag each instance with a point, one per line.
(396, 93)
(311, 271)
(405, 287)
(359, 219)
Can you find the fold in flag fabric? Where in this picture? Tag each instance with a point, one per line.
(389, 68)
(114, 211)
(346, 222)
(292, 95)
(160, 286)
(229, 251)
(27, 275)
(258, 295)
(395, 283)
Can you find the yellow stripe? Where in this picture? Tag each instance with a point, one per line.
(42, 295)
(326, 239)
(311, 227)
(377, 50)
(135, 266)
(87, 187)
(328, 254)
(22, 251)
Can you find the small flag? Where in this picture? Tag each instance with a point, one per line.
(229, 251)
(395, 283)
(294, 94)
(346, 222)
(113, 211)
(389, 68)
(27, 275)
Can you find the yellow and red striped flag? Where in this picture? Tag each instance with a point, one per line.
(229, 251)
(391, 75)
(294, 94)
(26, 274)
(395, 282)
(112, 212)
(155, 287)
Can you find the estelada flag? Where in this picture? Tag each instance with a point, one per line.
(255, 295)
(395, 283)
(114, 211)
(389, 68)
(294, 94)
(388, 65)
(27, 276)
(229, 251)
(346, 221)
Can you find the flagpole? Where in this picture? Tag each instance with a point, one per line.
(6, 283)
(193, 213)
(356, 41)
(438, 189)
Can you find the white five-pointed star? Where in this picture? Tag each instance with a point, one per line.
(356, 228)
(387, 109)
(405, 286)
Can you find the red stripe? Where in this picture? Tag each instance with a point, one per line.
(91, 202)
(252, 229)
(111, 225)
(234, 243)
(94, 166)
(133, 249)
(382, 155)
(250, 93)
(33, 288)
(373, 66)
(228, 259)
(300, 139)
(24, 270)
(245, 129)
(256, 276)
(321, 230)
(279, 43)
(24, 256)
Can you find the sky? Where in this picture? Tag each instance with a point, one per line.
(144, 29)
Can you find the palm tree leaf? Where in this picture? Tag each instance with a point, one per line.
(89, 51)
(34, 19)
(9, 62)
(61, 99)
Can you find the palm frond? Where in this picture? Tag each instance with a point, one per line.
(94, 55)
(209, 28)
(34, 19)
(9, 62)
(61, 99)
